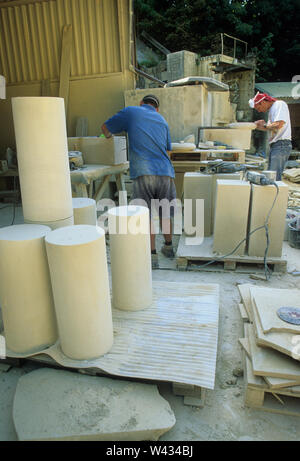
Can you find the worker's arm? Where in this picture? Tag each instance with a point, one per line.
(106, 131)
(263, 126)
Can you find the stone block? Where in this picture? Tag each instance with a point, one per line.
(229, 176)
(100, 151)
(231, 216)
(237, 138)
(61, 405)
(199, 186)
(262, 198)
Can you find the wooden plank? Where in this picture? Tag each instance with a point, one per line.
(188, 390)
(65, 64)
(101, 189)
(195, 401)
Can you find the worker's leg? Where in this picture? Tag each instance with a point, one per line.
(166, 227)
(167, 196)
(152, 236)
(279, 155)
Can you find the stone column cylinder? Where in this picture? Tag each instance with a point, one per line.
(130, 254)
(25, 289)
(42, 149)
(84, 210)
(79, 276)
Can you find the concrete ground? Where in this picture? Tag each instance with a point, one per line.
(224, 416)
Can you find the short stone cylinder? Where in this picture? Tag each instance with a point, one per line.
(130, 254)
(25, 289)
(79, 276)
(84, 210)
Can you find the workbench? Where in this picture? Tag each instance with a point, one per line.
(83, 179)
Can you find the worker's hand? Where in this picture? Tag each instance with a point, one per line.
(260, 124)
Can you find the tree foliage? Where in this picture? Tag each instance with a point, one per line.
(271, 28)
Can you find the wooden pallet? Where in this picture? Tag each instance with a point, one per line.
(199, 255)
(259, 396)
(210, 154)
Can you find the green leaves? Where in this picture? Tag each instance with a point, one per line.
(270, 27)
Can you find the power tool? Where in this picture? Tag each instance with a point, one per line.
(219, 166)
(258, 178)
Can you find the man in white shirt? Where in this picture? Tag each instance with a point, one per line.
(279, 128)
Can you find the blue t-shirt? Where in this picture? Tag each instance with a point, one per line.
(149, 139)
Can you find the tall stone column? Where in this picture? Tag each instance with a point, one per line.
(42, 152)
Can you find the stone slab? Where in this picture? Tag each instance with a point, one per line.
(199, 186)
(268, 301)
(262, 198)
(279, 383)
(287, 343)
(244, 342)
(215, 177)
(243, 313)
(231, 216)
(269, 362)
(61, 405)
(244, 290)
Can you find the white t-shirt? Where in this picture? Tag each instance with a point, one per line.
(280, 111)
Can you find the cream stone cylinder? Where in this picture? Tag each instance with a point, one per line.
(54, 224)
(42, 149)
(25, 289)
(79, 275)
(84, 210)
(130, 254)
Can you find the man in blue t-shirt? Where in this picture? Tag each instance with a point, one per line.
(150, 167)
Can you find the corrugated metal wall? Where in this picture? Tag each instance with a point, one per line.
(31, 37)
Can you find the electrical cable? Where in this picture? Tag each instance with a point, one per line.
(264, 226)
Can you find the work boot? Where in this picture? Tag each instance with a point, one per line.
(154, 260)
(168, 251)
